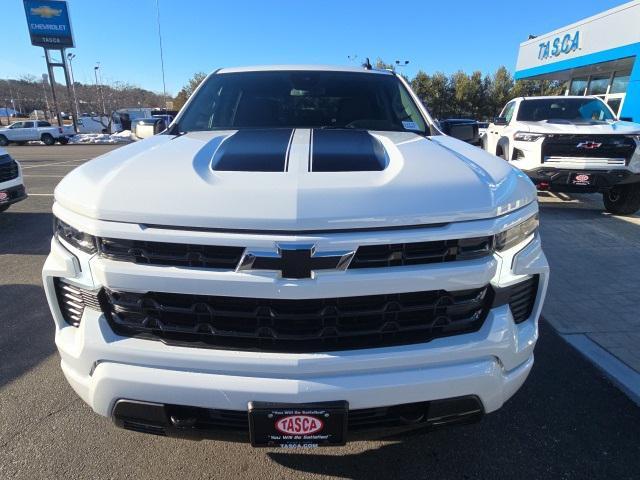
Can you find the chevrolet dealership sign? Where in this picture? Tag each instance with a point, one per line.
(49, 24)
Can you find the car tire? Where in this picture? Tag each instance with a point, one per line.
(63, 141)
(4, 207)
(3, 141)
(47, 139)
(622, 199)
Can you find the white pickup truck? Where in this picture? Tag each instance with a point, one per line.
(301, 259)
(34, 130)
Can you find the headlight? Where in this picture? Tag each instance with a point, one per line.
(517, 234)
(80, 240)
(527, 137)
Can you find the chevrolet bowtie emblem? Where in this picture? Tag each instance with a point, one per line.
(295, 260)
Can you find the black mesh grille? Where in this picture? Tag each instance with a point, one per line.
(73, 300)
(311, 325)
(612, 146)
(173, 254)
(8, 170)
(522, 297)
(221, 257)
(420, 253)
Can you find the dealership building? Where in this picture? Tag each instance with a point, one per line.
(595, 56)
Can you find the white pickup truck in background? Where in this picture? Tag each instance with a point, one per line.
(34, 130)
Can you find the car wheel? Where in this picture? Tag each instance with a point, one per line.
(500, 153)
(4, 207)
(48, 139)
(3, 141)
(63, 141)
(622, 199)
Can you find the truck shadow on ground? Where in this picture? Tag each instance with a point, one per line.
(563, 413)
(27, 336)
(25, 233)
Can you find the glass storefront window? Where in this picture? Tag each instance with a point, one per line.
(620, 82)
(577, 86)
(614, 103)
(598, 85)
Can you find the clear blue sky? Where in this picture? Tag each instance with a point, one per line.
(202, 35)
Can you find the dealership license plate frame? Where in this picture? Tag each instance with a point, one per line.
(581, 183)
(264, 415)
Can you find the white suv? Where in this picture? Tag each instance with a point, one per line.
(571, 144)
(300, 259)
(11, 184)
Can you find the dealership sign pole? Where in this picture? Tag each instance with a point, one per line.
(50, 28)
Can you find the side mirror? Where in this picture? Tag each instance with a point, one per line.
(500, 121)
(467, 132)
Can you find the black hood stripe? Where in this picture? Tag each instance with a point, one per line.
(254, 150)
(345, 151)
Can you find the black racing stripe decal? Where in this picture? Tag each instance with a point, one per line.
(254, 150)
(346, 151)
(310, 150)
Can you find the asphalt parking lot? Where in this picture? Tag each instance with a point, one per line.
(568, 421)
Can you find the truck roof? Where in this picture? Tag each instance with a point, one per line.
(318, 68)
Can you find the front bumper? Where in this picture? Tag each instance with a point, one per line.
(489, 364)
(559, 180)
(15, 193)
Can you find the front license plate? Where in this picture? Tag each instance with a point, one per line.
(301, 425)
(578, 178)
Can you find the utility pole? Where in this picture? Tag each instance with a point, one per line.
(70, 57)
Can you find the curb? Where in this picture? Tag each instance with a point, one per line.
(623, 376)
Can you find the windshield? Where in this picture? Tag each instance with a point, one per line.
(302, 99)
(574, 109)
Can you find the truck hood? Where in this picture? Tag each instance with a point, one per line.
(575, 127)
(208, 180)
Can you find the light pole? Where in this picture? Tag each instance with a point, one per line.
(164, 86)
(70, 57)
(402, 63)
(99, 87)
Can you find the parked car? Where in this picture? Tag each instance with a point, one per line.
(301, 259)
(571, 144)
(11, 184)
(461, 128)
(34, 130)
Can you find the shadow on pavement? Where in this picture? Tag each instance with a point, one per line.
(25, 233)
(27, 332)
(566, 422)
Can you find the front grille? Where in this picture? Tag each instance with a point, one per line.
(73, 300)
(311, 325)
(223, 257)
(8, 170)
(170, 254)
(612, 146)
(420, 253)
(522, 298)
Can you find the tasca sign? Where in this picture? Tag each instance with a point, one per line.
(49, 24)
(569, 42)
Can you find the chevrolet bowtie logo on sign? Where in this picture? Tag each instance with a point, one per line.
(45, 11)
(49, 24)
(295, 261)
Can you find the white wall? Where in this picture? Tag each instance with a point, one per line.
(617, 27)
